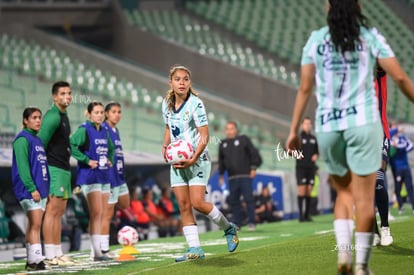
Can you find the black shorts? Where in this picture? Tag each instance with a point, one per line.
(386, 149)
(305, 175)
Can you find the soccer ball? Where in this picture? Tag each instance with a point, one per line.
(179, 150)
(127, 235)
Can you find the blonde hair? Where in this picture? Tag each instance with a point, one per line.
(170, 97)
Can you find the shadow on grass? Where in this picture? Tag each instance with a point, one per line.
(395, 249)
(227, 261)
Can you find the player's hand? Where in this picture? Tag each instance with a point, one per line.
(293, 142)
(164, 151)
(36, 196)
(314, 157)
(221, 181)
(93, 163)
(184, 164)
(109, 164)
(252, 173)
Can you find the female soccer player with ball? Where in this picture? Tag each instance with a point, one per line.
(185, 118)
(341, 59)
(93, 149)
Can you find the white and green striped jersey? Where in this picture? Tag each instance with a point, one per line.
(183, 123)
(345, 88)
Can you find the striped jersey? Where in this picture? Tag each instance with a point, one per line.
(345, 82)
(183, 123)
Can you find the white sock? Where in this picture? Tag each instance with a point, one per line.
(58, 250)
(35, 253)
(351, 225)
(363, 247)
(30, 260)
(343, 234)
(50, 251)
(96, 244)
(218, 218)
(104, 242)
(191, 235)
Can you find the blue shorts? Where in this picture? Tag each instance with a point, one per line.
(355, 149)
(198, 174)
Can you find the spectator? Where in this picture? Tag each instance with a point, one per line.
(266, 210)
(166, 211)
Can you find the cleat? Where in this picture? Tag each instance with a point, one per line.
(35, 266)
(192, 253)
(65, 261)
(231, 236)
(363, 270)
(377, 240)
(344, 263)
(110, 254)
(51, 262)
(251, 227)
(102, 258)
(386, 238)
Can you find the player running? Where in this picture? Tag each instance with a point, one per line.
(185, 118)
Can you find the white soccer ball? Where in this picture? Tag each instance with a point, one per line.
(179, 150)
(127, 235)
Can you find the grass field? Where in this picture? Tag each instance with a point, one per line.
(286, 247)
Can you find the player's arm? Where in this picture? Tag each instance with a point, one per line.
(302, 99)
(167, 140)
(76, 141)
(111, 149)
(21, 152)
(50, 123)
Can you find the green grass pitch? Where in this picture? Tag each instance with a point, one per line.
(286, 247)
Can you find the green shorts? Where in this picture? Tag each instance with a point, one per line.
(60, 183)
(198, 174)
(357, 149)
(30, 204)
(118, 191)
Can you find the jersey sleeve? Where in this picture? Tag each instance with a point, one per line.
(50, 123)
(76, 141)
(164, 110)
(307, 57)
(380, 47)
(200, 114)
(21, 152)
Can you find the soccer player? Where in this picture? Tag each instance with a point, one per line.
(185, 118)
(54, 134)
(381, 192)
(119, 195)
(30, 178)
(341, 58)
(305, 169)
(93, 149)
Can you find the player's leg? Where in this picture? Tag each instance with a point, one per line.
(398, 185)
(108, 203)
(310, 180)
(301, 182)
(409, 186)
(234, 200)
(123, 197)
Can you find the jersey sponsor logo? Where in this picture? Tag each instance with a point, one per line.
(336, 114)
(39, 148)
(101, 141)
(175, 131)
(101, 150)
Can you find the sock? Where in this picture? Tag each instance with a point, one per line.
(343, 235)
(104, 243)
(35, 253)
(307, 206)
(218, 218)
(58, 250)
(30, 259)
(376, 231)
(50, 251)
(96, 245)
(191, 235)
(300, 206)
(381, 198)
(351, 226)
(363, 247)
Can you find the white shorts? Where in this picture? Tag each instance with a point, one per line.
(30, 204)
(89, 188)
(118, 191)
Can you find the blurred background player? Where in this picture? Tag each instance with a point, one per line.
(93, 149)
(266, 210)
(185, 118)
(119, 195)
(240, 159)
(381, 190)
(340, 58)
(54, 133)
(305, 169)
(400, 147)
(31, 183)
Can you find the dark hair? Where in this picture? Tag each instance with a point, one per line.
(111, 104)
(92, 105)
(233, 123)
(28, 112)
(57, 85)
(344, 21)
